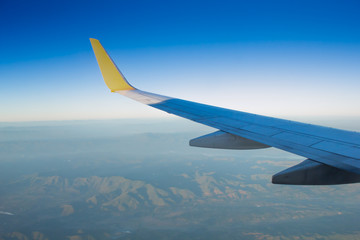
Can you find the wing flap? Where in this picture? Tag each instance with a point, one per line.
(296, 138)
(339, 148)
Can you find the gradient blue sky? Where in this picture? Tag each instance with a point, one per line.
(279, 58)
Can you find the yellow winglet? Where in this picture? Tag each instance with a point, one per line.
(111, 74)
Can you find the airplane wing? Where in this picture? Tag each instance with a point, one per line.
(332, 155)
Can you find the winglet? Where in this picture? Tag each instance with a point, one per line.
(111, 74)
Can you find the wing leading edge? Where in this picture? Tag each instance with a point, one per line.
(333, 155)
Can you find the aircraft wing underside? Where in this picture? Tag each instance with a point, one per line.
(332, 155)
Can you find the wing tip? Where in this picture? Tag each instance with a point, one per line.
(113, 78)
(94, 40)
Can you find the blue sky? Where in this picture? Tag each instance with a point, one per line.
(278, 58)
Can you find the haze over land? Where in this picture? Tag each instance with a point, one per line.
(139, 179)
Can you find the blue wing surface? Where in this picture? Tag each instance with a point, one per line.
(327, 150)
